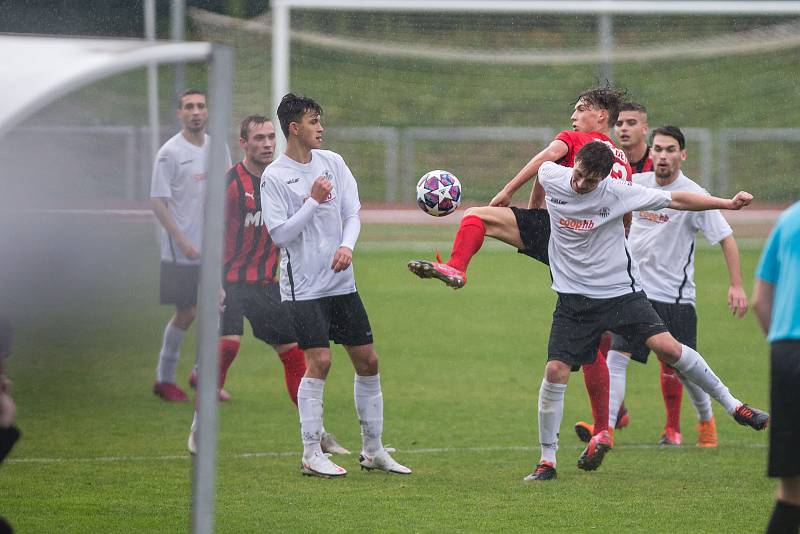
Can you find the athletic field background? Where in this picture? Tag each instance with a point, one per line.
(460, 374)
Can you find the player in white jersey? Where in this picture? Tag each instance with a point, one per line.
(598, 288)
(663, 244)
(311, 201)
(177, 197)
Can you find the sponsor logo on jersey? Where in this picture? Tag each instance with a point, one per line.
(293, 181)
(654, 217)
(555, 200)
(200, 177)
(253, 219)
(249, 195)
(576, 224)
(186, 162)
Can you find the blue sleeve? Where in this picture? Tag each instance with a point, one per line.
(769, 267)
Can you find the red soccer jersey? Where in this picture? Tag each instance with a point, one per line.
(250, 255)
(645, 164)
(575, 141)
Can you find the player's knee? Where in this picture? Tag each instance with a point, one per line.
(184, 317)
(474, 212)
(557, 372)
(365, 359)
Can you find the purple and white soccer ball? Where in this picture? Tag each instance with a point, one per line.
(438, 193)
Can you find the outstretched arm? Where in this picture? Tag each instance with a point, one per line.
(685, 201)
(737, 298)
(554, 152)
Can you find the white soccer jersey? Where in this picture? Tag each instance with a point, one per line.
(306, 260)
(179, 175)
(588, 252)
(662, 242)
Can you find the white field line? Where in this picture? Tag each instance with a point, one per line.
(281, 454)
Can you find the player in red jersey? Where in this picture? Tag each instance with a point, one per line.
(251, 268)
(528, 230)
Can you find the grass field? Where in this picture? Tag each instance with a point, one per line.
(461, 372)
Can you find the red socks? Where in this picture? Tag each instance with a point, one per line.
(672, 390)
(294, 367)
(595, 376)
(228, 349)
(467, 242)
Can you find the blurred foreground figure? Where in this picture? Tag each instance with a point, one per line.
(776, 302)
(9, 434)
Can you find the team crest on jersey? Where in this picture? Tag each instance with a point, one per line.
(604, 212)
(328, 175)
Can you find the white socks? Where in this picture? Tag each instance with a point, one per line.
(170, 353)
(551, 410)
(695, 369)
(700, 399)
(617, 373)
(369, 406)
(309, 405)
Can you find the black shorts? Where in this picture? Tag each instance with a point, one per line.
(579, 323)
(784, 423)
(179, 284)
(534, 229)
(341, 319)
(681, 321)
(261, 304)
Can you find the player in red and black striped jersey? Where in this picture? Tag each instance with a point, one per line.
(631, 131)
(251, 268)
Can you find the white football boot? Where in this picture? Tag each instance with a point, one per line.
(329, 444)
(319, 465)
(383, 462)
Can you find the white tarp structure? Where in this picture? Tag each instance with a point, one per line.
(39, 70)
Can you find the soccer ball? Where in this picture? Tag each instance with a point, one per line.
(438, 193)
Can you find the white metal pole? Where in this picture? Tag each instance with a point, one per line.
(605, 30)
(177, 34)
(152, 79)
(281, 19)
(220, 102)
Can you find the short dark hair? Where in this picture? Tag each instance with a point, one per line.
(633, 106)
(248, 122)
(292, 108)
(596, 158)
(670, 131)
(187, 93)
(604, 97)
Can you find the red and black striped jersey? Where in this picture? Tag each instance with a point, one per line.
(250, 256)
(645, 164)
(575, 141)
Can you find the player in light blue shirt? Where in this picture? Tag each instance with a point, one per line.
(776, 301)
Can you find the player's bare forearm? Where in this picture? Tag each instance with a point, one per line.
(763, 294)
(737, 298)
(686, 201)
(161, 211)
(554, 151)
